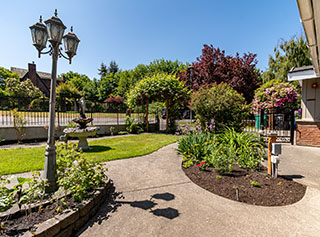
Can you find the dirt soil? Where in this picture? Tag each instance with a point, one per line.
(30, 222)
(272, 192)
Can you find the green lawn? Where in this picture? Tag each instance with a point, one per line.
(28, 159)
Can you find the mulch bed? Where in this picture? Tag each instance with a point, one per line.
(18, 226)
(272, 192)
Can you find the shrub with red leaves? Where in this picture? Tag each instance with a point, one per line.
(215, 66)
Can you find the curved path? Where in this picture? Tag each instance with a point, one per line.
(153, 197)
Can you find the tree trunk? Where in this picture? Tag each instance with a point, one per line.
(147, 111)
(167, 115)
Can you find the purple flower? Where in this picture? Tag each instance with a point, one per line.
(299, 111)
(210, 126)
(187, 127)
(212, 121)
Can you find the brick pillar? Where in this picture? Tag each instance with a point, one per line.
(308, 133)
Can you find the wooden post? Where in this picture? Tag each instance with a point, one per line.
(167, 115)
(272, 137)
(147, 111)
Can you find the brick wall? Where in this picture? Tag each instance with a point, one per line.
(308, 133)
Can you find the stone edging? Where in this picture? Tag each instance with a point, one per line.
(68, 222)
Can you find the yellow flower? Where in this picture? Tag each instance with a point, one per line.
(184, 153)
(196, 144)
(261, 147)
(210, 141)
(215, 139)
(217, 142)
(206, 143)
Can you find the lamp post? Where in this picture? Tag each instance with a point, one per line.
(53, 32)
(190, 68)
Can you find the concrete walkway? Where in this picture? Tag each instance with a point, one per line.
(302, 163)
(153, 197)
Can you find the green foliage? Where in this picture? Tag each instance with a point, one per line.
(16, 88)
(4, 75)
(108, 85)
(19, 123)
(221, 103)
(221, 151)
(255, 184)
(27, 191)
(288, 54)
(75, 80)
(195, 145)
(112, 129)
(67, 90)
(222, 157)
(248, 149)
(160, 88)
(6, 194)
(33, 190)
(132, 126)
(76, 174)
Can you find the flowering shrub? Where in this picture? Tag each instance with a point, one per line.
(276, 94)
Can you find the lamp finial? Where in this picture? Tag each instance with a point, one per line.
(55, 12)
(40, 19)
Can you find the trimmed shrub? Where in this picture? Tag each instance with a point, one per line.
(221, 103)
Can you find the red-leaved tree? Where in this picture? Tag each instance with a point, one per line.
(214, 66)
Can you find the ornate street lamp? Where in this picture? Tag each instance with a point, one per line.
(53, 32)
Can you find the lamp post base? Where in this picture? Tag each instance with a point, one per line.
(49, 168)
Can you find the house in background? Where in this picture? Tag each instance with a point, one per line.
(41, 80)
(308, 127)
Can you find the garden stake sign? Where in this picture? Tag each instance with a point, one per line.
(272, 137)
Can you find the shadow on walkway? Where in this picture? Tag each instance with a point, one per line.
(112, 203)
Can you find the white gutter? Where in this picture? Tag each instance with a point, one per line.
(310, 17)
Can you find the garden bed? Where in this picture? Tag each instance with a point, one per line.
(271, 192)
(47, 222)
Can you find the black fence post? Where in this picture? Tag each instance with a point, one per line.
(262, 119)
(292, 127)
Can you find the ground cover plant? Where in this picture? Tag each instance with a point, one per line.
(28, 159)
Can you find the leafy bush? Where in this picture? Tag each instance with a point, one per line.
(19, 123)
(221, 102)
(133, 127)
(77, 175)
(221, 157)
(195, 146)
(221, 151)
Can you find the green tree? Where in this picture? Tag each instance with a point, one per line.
(102, 71)
(160, 87)
(108, 86)
(288, 54)
(113, 68)
(4, 75)
(22, 93)
(77, 80)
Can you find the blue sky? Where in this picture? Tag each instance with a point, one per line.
(133, 32)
